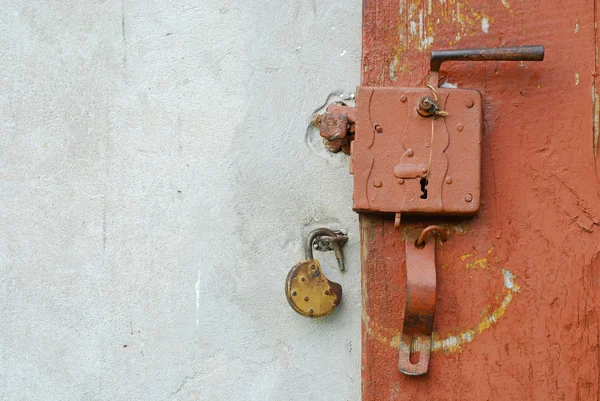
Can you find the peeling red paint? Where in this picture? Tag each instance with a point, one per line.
(540, 213)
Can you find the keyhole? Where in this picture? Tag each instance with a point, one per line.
(424, 183)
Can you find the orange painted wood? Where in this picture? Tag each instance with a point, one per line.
(517, 306)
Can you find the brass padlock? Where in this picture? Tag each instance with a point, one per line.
(307, 290)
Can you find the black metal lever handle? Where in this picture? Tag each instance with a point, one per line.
(519, 53)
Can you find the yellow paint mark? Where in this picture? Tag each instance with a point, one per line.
(491, 250)
(576, 79)
(465, 256)
(478, 264)
(596, 99)
(451, 343)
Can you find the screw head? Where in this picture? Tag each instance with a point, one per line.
(377, 183)
(310, 311)
(403, 98)
(378, 128)
(326, 292)
(294, 293)
(400, 181)
(409, 152)
(468, 197)
(469, 103)
(424, 169)
(460, 127)
(302, 278)
(306, 299)
(448, 180)
(313, 267)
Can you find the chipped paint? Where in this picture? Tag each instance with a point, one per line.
(485, 25)
(465, 256)
(420, 19)
(576, 79)
(506, 4)
(454, 343)
(509, 281)
(393, 70)
(596, 100)
(577, 26)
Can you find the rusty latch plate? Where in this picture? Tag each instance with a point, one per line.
(406, 163)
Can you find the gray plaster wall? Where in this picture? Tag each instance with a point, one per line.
(157, 178)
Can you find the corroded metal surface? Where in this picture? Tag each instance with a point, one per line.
(309, 292)
(517, 53)
(336, 127)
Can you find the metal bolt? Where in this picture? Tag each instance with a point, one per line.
(469, 103)
(294, 293)
(426, 145)
(378, 128)
(460, 127)
(302, 278)
(409, 152)
(426, 106)
(448, 180)
(377, 183)
(424, 169)
(326, 292)
(403, 98)
(306, 299)
(310, 311)
(468, 197)
(313, 267)
(400, 181)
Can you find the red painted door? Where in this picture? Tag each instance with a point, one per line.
(517, 301)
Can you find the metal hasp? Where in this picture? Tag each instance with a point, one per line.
(418, 150)
(415, 342)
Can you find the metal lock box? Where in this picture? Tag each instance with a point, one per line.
(404, 162)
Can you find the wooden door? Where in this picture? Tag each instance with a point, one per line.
(517, 307)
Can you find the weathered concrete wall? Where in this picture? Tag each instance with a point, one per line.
(157, 179)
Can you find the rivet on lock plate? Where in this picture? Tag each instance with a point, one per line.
(307, 290)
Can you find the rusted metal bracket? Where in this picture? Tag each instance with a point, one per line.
(415, 342)
(337, 127)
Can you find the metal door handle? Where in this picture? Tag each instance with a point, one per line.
(517, 53)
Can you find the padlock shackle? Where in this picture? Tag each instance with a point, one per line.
(337, 240)
(312, 236)
(517, 53)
